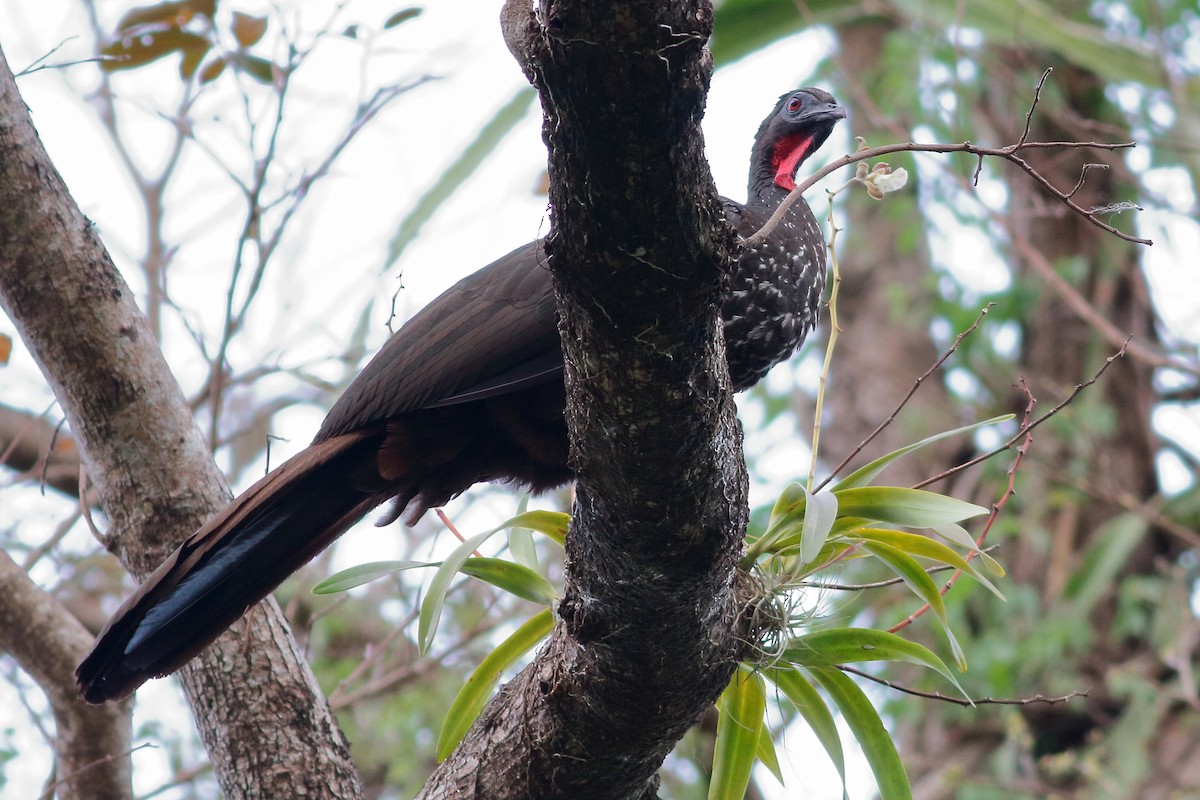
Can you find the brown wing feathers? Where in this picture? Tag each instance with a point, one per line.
(423, 422)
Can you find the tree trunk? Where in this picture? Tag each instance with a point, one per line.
(650, 624)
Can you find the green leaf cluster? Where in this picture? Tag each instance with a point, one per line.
(807, 532)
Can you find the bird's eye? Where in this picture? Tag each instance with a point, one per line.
(794, 103)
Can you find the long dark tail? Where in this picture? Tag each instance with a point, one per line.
(234, 561)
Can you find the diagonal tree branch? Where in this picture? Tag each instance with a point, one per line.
(29, 444)
(1008, 153)
(154, 474)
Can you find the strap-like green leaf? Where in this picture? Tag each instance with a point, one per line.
(435, 598)
(803, 695)
(786, 522)
(475, 693)
(867, 473)
(520, 544)
(790, 503)
(956, 534)
(820, 512)
(914, 544)
(553, 524)
(741, 708)
(766, 754)
(511, 577)
(365, 573)
(520, 541)
(923, 586)
(899, 506)
(914, 576)
(834, 646)
(868, 729)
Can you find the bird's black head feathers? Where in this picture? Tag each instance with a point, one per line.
(799, 125)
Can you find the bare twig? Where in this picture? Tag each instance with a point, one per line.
(1024, 434)
(1037, 97)
(50, 449)
(961, 701)
(340, 699)
(998, 506)
(862, 587)
(60, 531)
(1146, 509)
(49, 792)
(374, 652)
(151, 188)
(251, 233)
(343, 697)
(39, 63)
(85, 508)
(1150, 355)
(267, 244)
(1079, 304)
(25, 426)
(181, 777)
(900, 406)
(834, 329)
(1079, 387)
(450, 527)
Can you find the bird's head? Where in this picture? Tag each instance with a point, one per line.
(797, 127)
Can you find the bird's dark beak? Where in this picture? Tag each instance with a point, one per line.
(829, 113)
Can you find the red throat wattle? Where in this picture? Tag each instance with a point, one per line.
(788, 155)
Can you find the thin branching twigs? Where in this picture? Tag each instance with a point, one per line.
(1025, 436)
(958, 340)
(995, 701)
(266, 242)
(1079, 387)
(1009, 153)
(862, 587)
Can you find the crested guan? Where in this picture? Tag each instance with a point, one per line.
(469, 390)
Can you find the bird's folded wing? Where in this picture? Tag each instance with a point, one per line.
(493, 332)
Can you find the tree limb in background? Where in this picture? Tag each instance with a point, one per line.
(91, 743)
(29, 444)
(650, 623)
(150, 466)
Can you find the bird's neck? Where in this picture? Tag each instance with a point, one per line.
(775, 165)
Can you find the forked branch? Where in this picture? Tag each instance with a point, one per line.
(1010, 153)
